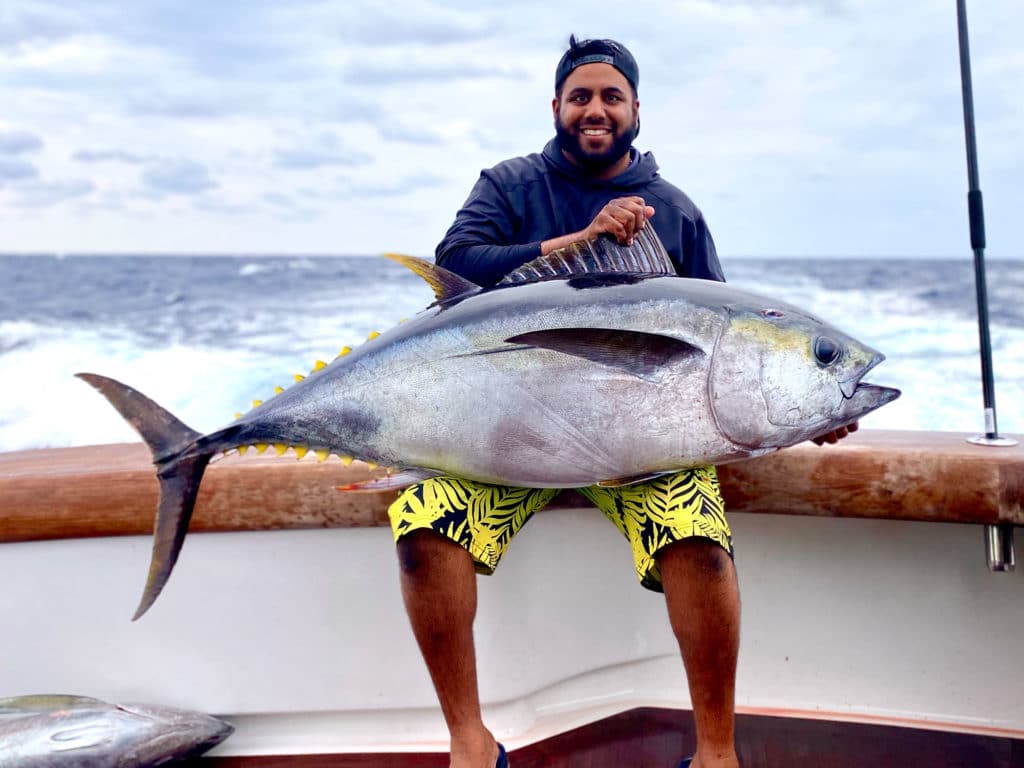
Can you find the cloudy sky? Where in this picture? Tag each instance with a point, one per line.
(801, 127)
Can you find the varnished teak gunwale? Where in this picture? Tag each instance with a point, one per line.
(110, 490)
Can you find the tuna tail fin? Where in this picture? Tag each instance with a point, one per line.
(179, 475)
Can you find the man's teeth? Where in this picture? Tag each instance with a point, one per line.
(595, 131)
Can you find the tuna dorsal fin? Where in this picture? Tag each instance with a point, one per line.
(646, 256)
(635, 352)
(446, 284)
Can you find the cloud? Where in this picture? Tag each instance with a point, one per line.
(411, 21)
(405, 185)
(21, 26)
(178, 177)
(110, 156)
(17, 142)
(286, 207)
(404, 69)
(16, 169)
(410, 134)
(304, 158)
(46, 193)
(187, 105)
(322, 150)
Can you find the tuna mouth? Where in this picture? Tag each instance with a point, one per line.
(868, 395)
(877, 394)
(855, 383)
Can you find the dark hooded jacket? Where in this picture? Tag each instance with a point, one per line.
(521, 202)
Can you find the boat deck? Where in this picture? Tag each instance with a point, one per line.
(658, 738)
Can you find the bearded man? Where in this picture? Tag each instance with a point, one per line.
(588, 181)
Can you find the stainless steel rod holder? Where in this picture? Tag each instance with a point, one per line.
(999, 547)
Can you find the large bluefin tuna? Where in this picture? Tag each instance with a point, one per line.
(79, 732)
(595, 364)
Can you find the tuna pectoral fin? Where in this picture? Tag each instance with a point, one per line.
(635, 352)
(179, 471)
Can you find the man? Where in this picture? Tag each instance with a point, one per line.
(587, 181)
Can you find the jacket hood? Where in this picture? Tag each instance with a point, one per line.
(639, 173)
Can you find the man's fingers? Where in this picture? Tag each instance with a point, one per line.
(836, 435)
(622, 218)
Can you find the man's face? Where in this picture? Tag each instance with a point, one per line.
(596, 116)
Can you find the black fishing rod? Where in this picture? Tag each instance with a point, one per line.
(998, 538)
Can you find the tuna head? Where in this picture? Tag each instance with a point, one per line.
(780, 376)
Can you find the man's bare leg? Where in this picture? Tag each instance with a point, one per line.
(439, 590)
(702, 596)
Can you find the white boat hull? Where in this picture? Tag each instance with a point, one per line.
(300, 639)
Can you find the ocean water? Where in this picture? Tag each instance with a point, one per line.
(206, 335)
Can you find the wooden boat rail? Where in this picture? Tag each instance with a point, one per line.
(111, 490)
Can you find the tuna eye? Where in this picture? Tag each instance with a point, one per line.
(826, 350)
(772, 313)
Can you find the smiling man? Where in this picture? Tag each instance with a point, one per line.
(588, 181)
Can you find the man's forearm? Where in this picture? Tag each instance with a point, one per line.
(485, 264)
(555, 243)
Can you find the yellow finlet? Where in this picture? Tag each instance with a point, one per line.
(346, 460)
(260, 447)
(238, 416)
(373, 335)
(318, 366)
(242, 449)
(299, 377)
(344, 351)
(257, 403)
(278, 390)
(372, 465)
(322, 455)
(300, 451)
(280, 448)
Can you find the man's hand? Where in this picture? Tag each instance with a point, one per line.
(622, 218)
(835, 437)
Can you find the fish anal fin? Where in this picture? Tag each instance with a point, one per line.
(620, 482)
(389, 482)
(446, 284)
(635, 352)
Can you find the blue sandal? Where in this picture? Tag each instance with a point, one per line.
(686, 762)
(503, 757)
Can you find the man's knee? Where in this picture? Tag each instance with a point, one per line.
(419, 549)
(705, 556)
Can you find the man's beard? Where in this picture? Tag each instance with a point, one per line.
(594, 163)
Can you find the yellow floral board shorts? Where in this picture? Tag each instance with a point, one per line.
(483, 518)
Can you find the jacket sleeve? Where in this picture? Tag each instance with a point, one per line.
(701, 257)
(480, 243)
